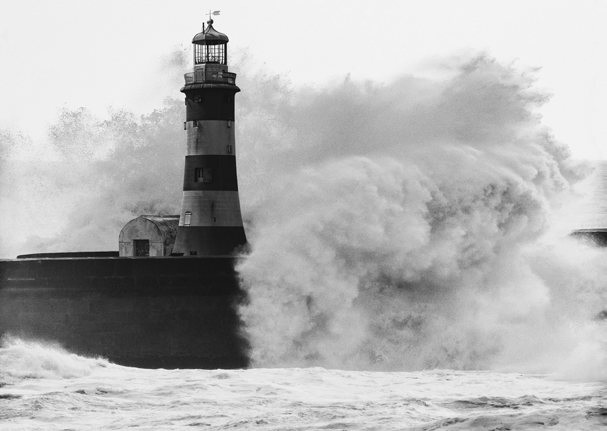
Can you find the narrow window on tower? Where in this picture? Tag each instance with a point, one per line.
(229, 149)
(198, 175)
(203, 175)
(229, 123)
(187, 219)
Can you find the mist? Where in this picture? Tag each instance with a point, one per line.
(393, 226)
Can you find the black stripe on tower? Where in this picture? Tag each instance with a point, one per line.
(210, 102)
(211, 240)
(219, 173)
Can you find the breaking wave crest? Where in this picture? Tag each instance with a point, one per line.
(25, 359)
(410, 228)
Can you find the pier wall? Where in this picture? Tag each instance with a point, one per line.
(146, 312)
(596, 237)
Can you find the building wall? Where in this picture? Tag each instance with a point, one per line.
(161, 312)
(141, 228)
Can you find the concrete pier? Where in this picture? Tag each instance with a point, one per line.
(145, 312)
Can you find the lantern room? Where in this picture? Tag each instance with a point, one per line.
(210, 46)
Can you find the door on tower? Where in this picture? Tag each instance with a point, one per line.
(142, 247)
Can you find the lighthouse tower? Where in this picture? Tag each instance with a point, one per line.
(210, 222)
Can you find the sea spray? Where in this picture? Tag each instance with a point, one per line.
(76, 191)
(404, 230)
(100, 175)
(37, 359)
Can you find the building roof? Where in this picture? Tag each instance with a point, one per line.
(163, 222)
(164, 225)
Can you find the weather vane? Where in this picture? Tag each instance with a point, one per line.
(215, 12)
(210, 21)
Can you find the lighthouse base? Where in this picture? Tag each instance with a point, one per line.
(208, 240)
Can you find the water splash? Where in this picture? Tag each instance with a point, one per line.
(409, 229)
(28, 359)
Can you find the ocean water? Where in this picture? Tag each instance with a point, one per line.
(46, 388)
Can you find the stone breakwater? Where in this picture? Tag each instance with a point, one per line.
(143, 312)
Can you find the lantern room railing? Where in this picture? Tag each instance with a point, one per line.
(202, 75)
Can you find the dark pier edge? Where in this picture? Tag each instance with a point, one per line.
(145, 312)
(69, 254)
(595, 236)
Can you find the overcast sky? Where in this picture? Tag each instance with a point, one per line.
(72, 53)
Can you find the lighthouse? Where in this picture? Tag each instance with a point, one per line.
(210, 223)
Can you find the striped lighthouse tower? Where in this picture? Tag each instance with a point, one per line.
(210, 222)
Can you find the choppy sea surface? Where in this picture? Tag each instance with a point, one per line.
(46, 388)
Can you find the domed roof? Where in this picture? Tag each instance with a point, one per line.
(210, 36)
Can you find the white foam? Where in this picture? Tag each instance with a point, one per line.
(28, 359)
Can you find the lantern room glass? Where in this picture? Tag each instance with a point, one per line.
(210, 54)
